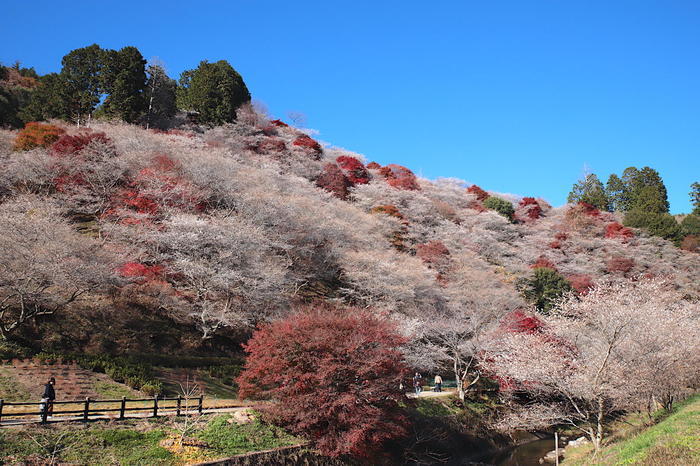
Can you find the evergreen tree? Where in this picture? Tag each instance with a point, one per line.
(544, 288)
(618, 195)
(695, 197)
(691, 225)
(656, 223)
(591, 191)
(47, 101)
(649, 192)
(124, 80)
(214, 90)
(160, 97)
(16, 87)
(82, 76)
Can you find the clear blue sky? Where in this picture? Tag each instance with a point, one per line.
(516, 96)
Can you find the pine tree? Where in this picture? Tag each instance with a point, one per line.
(82, 76)
(591, 191)
(160, 97)
(695, 197)
(618, 195)
(214, 91)
(124, 80)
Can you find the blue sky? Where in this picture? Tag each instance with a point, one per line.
(516, 96)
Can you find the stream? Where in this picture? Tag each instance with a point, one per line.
(527, 454)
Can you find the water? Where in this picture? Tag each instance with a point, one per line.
(528, 454)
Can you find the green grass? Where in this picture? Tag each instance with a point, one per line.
(436, 407)
(232, 439)
(675, 440)
(111, 390)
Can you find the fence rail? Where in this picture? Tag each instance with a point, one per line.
(155, 406)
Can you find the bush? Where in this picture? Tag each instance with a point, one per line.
(308, 143)
(620, 264)
(10, 350)
(691, 243)
(354, 170)
(543, 262)
(37, 135)
(616, 230)
(529, 210)
(581, 283)
(334, 181)
(71, 144)
(501, 206)
(657, 224)
(334, 375)
(691, 225)
(544, 288)
(400, 177)
(152, 388)
(480, 194)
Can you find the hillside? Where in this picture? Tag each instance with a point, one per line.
(131, 240)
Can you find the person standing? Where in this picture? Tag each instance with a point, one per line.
(418, 383)
(438, 383)
(49, 396)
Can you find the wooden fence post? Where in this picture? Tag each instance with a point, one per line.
(179, 404)
(122, 409)
(199, 408)
(86, 411)
(44, 411)
(155, 406)
(2, 402)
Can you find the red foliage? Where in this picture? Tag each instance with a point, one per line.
(333, 180)
(73, 144)
(477, 205)
(400, 177)
(36, 134)
(519, 321)
(529, 209)
(142, 271)
(436, 255)
(616, 230)
(373, 166)
(269, 144)
(691, 243)
(543, 263)
(556, 244)
(334, 376)
(279, 123)
(308, 143)
(561, 236)
(354, 169)
(588, 209)
(480, 194)
(390, 210)
(619, 264)
(582, 283)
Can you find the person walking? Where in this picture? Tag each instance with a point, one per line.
(438, 383)
(418, 383)
(48, 397)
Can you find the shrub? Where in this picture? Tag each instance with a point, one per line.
(657, 224)
(37, 134)
(543, 262)
(334, 181)
(398, 237)
(691, 243)
(519, 321)
(399, 177)
(501, 206)
(268, 145)
(354, 170)
(279, 123)
(153, 388)
(334, 375)
(619, 264)
(436, 255)
(480, 194)
(691, 225)
(373, 166)
(616, 230)
(544, 288)
(581, 283)
(142, 271)
(588, 209)
(529, 209)
(308, 143)
(70, 144)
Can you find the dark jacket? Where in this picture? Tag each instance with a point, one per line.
(49, 392)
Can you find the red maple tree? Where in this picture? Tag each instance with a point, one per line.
(334, 375)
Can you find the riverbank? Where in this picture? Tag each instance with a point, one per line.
(674, 440)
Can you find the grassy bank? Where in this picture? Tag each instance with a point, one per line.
(137, 442)
(675, 440)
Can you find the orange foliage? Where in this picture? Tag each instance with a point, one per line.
(480, 194)
(36, 134)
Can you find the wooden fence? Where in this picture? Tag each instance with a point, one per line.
(154, 406)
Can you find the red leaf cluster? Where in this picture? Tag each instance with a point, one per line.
(142, 271)
(519, 321)
(620, 264)
(581, 283)
(390, 210)
(269, 144)
(399, 177)
(334, 376)
(72, 144)
(480, 194)
(543, 263)
(436, 255)
(589, 209)
(691, 243)
(373, 166)
(36, 134)
(308, 143)
(558, 238)
(279, 123)
(616, 230)
(354, 170)
(528, 210)
(333, 180)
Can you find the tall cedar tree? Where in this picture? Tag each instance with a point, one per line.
(214, 91)
(334, 375)
(695, 197)
(160, 97)
(124, 79)
(82, 80)
(591, 191)
(48, 100)
(617, 194)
